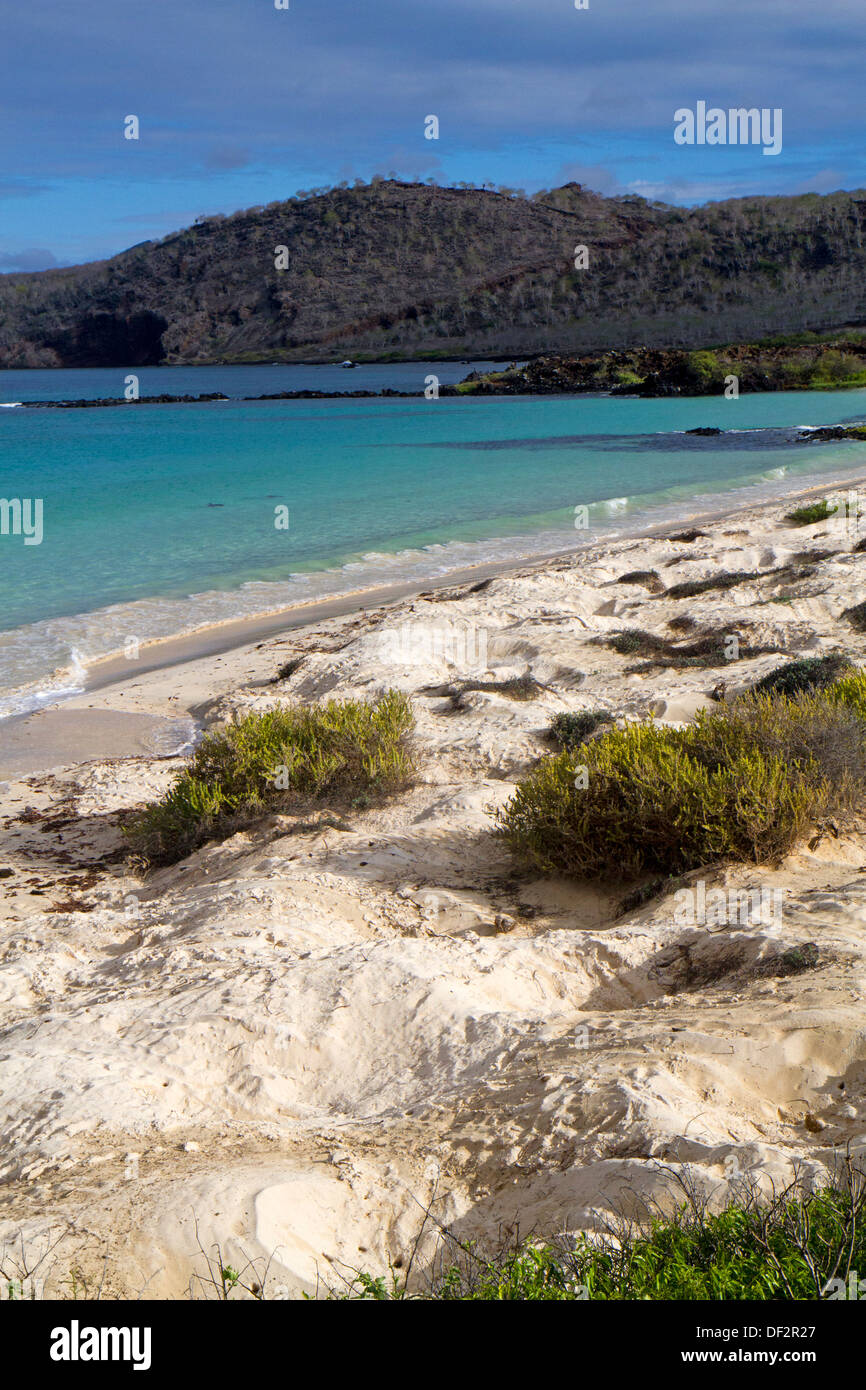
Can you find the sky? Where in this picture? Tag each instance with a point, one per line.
(240, 103)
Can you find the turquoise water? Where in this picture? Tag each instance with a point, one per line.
(160, 519)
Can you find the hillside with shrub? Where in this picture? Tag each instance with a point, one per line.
(394, 269)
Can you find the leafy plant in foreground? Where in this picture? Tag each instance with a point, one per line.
(274, 760)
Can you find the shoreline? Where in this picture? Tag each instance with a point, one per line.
(65, 731)
(218, 638)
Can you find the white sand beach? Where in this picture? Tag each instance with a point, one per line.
(295, 1043)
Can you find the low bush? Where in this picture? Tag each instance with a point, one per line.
(707, 649)
(821, 740)
(809, 515)
(648, 579)
(649, 806)
(799, 1246)
(634, 641)
(274, 761)
(571, 729)
(743, 782)
(808, 673)
(690, 588)
(850, 691)
(856, 616)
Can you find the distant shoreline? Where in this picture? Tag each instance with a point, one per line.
(765, 367)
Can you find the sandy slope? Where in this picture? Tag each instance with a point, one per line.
(296, 1041)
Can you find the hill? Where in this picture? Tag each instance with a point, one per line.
(413, 270)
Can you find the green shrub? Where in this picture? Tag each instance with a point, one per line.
(650, 806)
(273, 761)
(807, 516)
(571, 729)
(524, 687)
(648, 579)
(690, 588)
(835, 367)
(791, 1248)
(820, 741)
(856, 616)
(705, 371)
(742, 782)
(809, 673)
(634, 641)
(626, 377)
(851, 691)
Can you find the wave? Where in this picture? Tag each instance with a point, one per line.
(63, 683)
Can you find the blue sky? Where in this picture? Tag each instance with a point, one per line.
(241, 103)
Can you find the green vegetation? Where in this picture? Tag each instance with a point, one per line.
(856, 616)
(807, 516)
(801, 1246)
(851, 692)
(808, 673)
(690, 588)
(744, 782)
(571, 729)
(707, 371)
(834, 369)
(648, 579)
(634, 641)
(275, 761)
(706, 649)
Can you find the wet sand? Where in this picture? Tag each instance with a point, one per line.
(58, 737)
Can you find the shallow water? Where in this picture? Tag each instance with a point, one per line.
(160, 519)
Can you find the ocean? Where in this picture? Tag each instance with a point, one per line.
(160, 519)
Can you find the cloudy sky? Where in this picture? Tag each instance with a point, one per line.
(240, 103)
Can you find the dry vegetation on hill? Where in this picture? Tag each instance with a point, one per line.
(418, 270)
